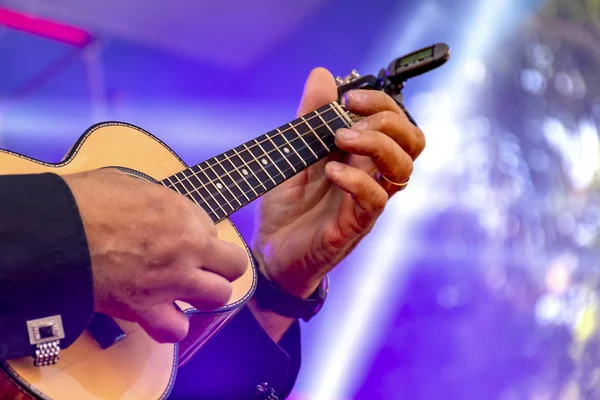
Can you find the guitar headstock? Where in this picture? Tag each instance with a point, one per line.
(355, 81)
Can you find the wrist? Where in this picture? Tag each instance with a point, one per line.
(291, 302)
(291, 282)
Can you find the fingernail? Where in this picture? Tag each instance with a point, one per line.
(354, 96)
(335, 166)
(347, 134)
(362, 124)
(357, 95)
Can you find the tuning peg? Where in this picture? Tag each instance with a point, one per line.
(349, 78)
(353, 75)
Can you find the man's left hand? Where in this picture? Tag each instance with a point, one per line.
(308, 224)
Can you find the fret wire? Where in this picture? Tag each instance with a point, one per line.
(241, 174)
(315, 133)
(293, 149)
(209, 192)
(301, 138)
(172, 186)
(187, 193)
(332, 106)
(231, 177)
(249, 191)
(344, 116)
(224, 186)
(187, 178)
(284, 157)
(205, 199)
(269, 157)
(244, 193)
(259, 163)
(256, 160)
(251, 170)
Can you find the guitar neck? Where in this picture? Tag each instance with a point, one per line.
(225, 183)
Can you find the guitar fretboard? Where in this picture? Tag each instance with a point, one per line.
(229, 181)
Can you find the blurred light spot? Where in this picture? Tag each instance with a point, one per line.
(444, 138)
(565, 224)
(547, 309)
(579, 88)
(587, 162)
(575, 156)
(492, 219)
(558, 278)
(585, 235)
(586, 324)
(475, 72)
(533, 81)
(542, 55)
(564, 84)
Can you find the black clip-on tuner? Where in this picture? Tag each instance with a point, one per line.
(392, 79)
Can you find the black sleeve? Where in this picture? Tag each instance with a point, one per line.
(239, 359)
(45, 266)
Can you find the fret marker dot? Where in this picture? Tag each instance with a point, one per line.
(264, 161)
(286, 150)
(219, 186)
(245, 171)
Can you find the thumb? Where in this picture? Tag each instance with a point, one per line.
(319, 90)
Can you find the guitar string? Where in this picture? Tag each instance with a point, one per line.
(220, 204)
(235, 181)
(303, 122)
(236, 168)
(275, 150)
(330, 107)
(244, 193)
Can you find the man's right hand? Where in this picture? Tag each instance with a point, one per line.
(150, 246)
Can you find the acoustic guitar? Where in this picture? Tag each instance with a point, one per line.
(116, 359)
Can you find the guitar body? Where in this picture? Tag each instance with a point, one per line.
(137, 367)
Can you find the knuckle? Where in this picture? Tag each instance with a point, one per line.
(421, 141)
(408, 168)
(201, 242)
(379, 200)
(212, 229)
(387, 121)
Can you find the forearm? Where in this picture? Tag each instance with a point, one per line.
(44, 261)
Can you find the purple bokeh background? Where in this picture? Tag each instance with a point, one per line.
(459, 293)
